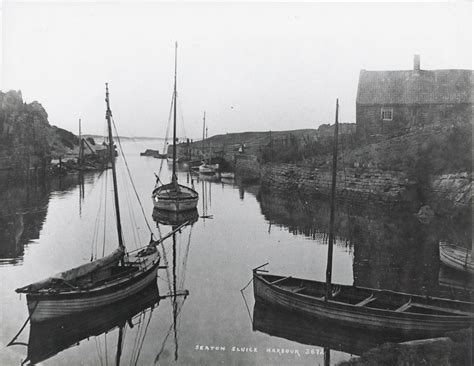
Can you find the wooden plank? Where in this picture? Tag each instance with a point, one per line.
(280, 280)
(404, 307)
(299, 289)
(366, 301)
(446, 310)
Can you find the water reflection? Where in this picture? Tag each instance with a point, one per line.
(391, 249)
(175, 218)
(176, 278)
(48, 338)
(22, 213)
(329, 336)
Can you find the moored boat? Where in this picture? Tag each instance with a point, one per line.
(48, 338)
(227, 175)
(99, 282)
(365, 308)
(208, 168)
(456, 257)
(173, 196)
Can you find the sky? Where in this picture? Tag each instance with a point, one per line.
(252, 66)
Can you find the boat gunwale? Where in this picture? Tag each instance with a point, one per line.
(364, 309)
(193, 193)
(106, 288)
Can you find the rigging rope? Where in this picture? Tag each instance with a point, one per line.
(130, 212)
(185, 258)
(167, 133)
(131, 180)
(178, 311)
(99, 350)
(142, 341)
(181, 114)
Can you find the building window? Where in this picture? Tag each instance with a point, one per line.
(387, 114)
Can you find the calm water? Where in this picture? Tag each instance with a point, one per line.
(50, 228)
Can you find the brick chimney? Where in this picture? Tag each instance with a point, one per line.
(416, 65)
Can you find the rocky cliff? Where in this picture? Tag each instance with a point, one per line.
(27, 141)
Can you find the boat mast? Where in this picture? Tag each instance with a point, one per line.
(81, 146)
(203, 131)
(108, 116)
(331, 217)
(173, 178)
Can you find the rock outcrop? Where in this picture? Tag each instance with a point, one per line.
(27, 141)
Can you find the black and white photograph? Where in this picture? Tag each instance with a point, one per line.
(236, 183)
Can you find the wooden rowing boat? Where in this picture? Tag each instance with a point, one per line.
(365, 308)
(456, 257)
(173, 196)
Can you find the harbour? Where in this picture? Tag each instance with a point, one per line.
(275, 232)
(283, 194)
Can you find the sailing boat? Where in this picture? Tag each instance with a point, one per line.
(207, 167)
(100, 282)
(365, 308)
(48, 338)
(174, 196)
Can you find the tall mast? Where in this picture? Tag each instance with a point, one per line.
(108, 116)
(81, 144)
(173, 178)
(203, 130)
(333, 198)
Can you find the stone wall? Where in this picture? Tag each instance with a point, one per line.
(450, 192)
(446, 194)
(354, 184)
(247, 167)
(363, 185)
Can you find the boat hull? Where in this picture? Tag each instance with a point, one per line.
(165, 199)
(208, 168)
(48, 338)
(227, 175)
(456, 257)
(46, 306)
(360, 316)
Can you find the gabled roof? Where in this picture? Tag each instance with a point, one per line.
(409, 87)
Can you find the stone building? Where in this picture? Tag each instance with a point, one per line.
(391, 103)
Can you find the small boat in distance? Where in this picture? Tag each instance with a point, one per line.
(153, 153)
(208, 168)
(173, 196)
(99, 282)
(364, 308)
(456, 257)
(227, 175)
